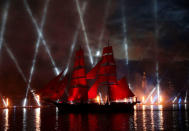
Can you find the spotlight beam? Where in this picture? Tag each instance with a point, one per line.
(15, 61)
(103, 30)
(75, 38)
(149, 95)
(4, 103)
(158, 82)
(37, 47)
(185, 100)
(125, 42)
(39, 39)
(20, 71)
(84, 31)
(175, 99)
(39, 31)
(4, 21)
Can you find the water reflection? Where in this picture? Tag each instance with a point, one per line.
(186, 119)
(75, 122)
(6, 116)
(160, 115)
(56, 128)
(93, 122)
(37, 119)
(135, 118)
(144, 117)
(152, 117)
(24, 122)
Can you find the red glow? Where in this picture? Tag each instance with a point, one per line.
(92, 93)
(121, 91)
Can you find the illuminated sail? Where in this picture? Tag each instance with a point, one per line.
(121, 91)
(104, 74)
(78, 86)
(54, 89)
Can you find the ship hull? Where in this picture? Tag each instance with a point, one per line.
(93, 107)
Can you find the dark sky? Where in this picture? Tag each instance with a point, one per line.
(170, 44)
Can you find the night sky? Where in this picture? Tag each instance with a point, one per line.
(156, 35)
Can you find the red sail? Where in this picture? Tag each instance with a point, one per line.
(54, 89)
(93, 72)
(92, 93)
(121, 91)
(78, 86)
(104, 73)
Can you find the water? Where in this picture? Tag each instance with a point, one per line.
(143, 118)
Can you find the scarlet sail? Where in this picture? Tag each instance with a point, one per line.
(55, 88)
(105, 83)
(78, 86)
(121, 91)
(104, 74)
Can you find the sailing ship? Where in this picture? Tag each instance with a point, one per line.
(95, 91)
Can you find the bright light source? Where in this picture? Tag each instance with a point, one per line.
(180, 100)
(98, 53)
(25, 102)
(38, 100)
(143, 100)
(160, 99)
(150, 95)
(143, 107)
(65, 71)
(151, 99)
(135, 99)
(4, 102)
(158, 82)
(174, 99)
(98, 99)
(186, 97)
(125, 100)
(57, 71)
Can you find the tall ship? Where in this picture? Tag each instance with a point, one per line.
(95, 91)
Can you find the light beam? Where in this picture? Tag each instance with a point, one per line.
(103, 29)
(15, 62)
(180, 100)
(84, 31)
(4, 21)
(124, 28)
(75, 38)
(40, 34)
(150, 95)
(185, 100)
(158, 82)
(24, 102)
(175, 99)
(37, 49)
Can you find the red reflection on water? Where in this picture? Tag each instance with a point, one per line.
(76, 122)
(120, 122)
(92, 122)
